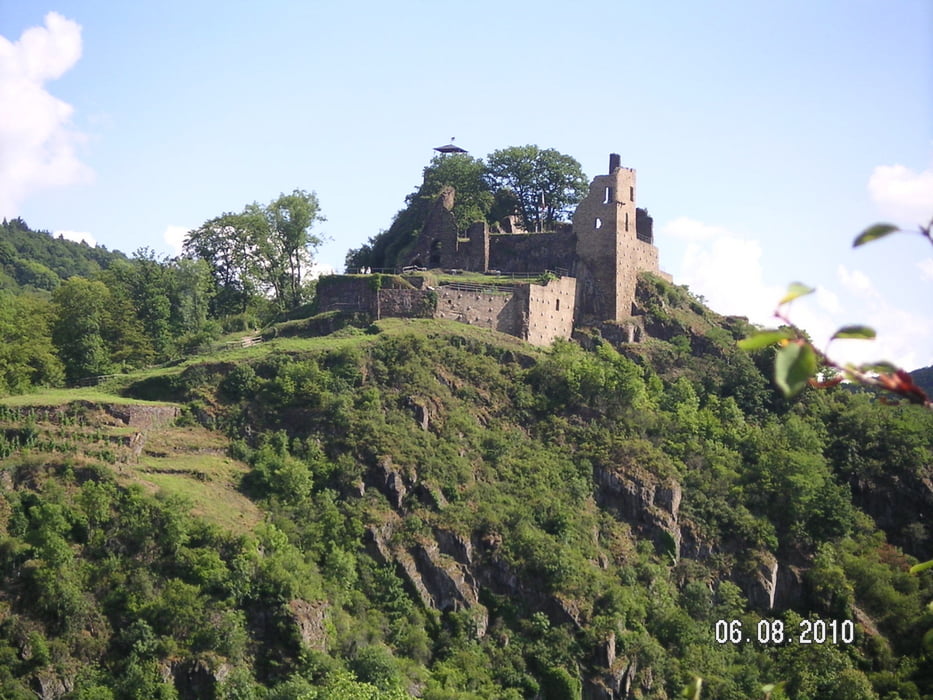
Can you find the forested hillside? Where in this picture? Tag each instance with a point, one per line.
(422, 508)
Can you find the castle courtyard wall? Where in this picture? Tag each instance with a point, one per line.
(531, 252)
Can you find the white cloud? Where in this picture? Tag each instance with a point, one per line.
(902, 194)
(77, 237)
(725, 269)
(37, 141)
(926, 268)
(902, 336)
(174, 236)
(856, 282)
(828, 300)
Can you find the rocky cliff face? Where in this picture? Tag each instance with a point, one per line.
(649, 503)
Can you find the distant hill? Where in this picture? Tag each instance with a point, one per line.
(38, 260)
(924, 379)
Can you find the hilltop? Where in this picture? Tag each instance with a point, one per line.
(417, 506)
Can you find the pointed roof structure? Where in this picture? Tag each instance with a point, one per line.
(450, 147)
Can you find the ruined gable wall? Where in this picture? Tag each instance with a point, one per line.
(599, 222)
(500, 311)
(614, 242)
(550, 310)
(436, 245)
(531, 252)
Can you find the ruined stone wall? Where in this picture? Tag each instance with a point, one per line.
(550, 310)
(644, 226)
(531, 252)
(405, 303)
(436, 245)
(614, 242)
(500, 311)
(601, 221)
(634, 256)
(346, 293)
(475, 253)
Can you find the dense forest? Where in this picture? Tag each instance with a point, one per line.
(418, 508)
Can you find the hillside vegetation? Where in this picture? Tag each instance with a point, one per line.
(421, 508)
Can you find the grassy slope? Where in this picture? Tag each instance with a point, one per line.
(192, 462)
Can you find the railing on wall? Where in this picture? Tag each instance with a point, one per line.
(479, 288)
(560, 272)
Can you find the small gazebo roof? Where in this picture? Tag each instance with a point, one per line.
(450, 148)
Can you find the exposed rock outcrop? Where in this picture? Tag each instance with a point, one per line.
(388, 479)
(440, 580)
(196, 678)
(310, 618)
(49, 685)
(650, 504)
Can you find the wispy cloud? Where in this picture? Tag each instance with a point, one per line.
(926, 268)
(174, 236)
(902, 194)
(37, 140)
(902, 335)
(726, 269)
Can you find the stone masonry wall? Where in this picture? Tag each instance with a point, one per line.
(634, 256)
(346, 293)
(500, 311)
(405, 303)
(550, 310)
(531, 252)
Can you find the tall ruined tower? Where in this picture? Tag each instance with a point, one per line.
(614, 242)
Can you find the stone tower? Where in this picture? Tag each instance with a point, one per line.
(614, 242)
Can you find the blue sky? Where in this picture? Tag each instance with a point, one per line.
(765, 135)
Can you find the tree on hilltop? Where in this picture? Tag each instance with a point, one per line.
(548, 184)
(511, 179)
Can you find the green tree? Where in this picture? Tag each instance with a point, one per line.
(222, 242)
(27, 357)
(80, 316)
(467, 175)
(191, 295)
(548, 184)
(290, 242)
(268, 248)
(151, 296)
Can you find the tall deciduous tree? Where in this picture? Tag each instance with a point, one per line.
(548, 184)
(289, 244)
(223, 242)
(27, 358)
(80, 319)
(262, 248)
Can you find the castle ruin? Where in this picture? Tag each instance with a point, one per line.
(595, 262)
